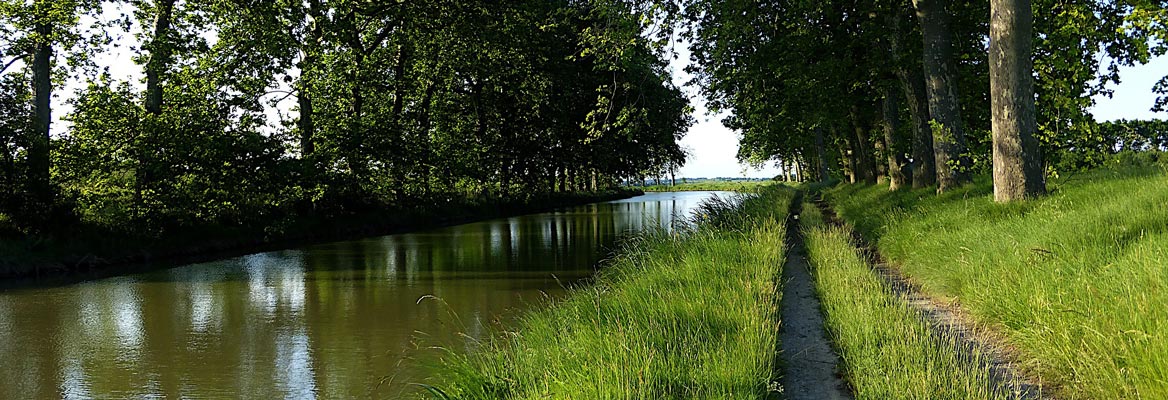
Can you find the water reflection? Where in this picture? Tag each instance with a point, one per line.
(338, 320)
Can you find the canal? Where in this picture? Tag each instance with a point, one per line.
(354, 319)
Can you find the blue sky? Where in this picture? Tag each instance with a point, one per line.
(714, 148)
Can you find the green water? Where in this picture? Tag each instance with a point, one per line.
(355, 319)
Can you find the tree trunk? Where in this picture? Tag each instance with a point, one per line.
(821, 154)
(426, 139)
(1018, 170)
(306, 122)
(924, 162)
(865, 164)
(399, 86)
(39, 161)
(896, 161)
(159, 56)
(309, 62)
(847, 156)
(941, 86)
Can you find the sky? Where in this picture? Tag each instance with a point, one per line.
(712, 147)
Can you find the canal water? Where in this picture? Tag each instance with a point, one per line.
(353, 319)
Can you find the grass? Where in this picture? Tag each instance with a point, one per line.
(1076, 280)
(888, 352)
(692, 315)
(711, 185)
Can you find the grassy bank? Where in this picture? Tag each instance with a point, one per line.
(1076, 280)
(89, 251)
(888, 352)
(691, 315)
(730, 186)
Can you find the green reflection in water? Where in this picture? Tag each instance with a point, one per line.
(338, 320)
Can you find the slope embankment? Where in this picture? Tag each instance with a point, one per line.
(1073, 284)
(691, 314)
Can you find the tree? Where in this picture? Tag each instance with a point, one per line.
(941, 86)
(1018, 172)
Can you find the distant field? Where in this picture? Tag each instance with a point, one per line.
(735, 186)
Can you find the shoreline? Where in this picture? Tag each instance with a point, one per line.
(63, 269)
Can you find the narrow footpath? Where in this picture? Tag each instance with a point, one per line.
(809, 362)
(950, 320)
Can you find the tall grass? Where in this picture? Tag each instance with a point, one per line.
(888, 352)
(690, 315)
(1077, 280)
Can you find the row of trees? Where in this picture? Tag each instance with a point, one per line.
(397, 104)
(920, 93)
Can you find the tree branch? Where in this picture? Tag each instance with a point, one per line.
(13, 61)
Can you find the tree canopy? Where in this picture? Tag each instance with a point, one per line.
(255, 111)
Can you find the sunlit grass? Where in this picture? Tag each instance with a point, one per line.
(1077, 280)
(888, 352)
(675, 316)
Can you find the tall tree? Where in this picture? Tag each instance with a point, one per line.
(39, 161)
(159, 49)
(941, 86)
(890, 121)
(1018, 172)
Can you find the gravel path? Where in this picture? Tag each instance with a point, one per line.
(809, 361)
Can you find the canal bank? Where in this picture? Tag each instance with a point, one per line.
(346, 319)
(689, 314)
(41, 262)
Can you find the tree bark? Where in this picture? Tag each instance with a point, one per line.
(941, 86)
(891, 121)
(309, 61)
(159, 56)
(1018, 170)
(427, 141)
(399, 86)
(821, 154)
(865, 164)
(924, 162)
(847, 156)
(39, 161)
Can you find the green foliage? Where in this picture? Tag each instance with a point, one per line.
(787, 70)
(399, 105)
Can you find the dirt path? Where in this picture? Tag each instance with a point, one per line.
(950, 320)
(809, 361)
